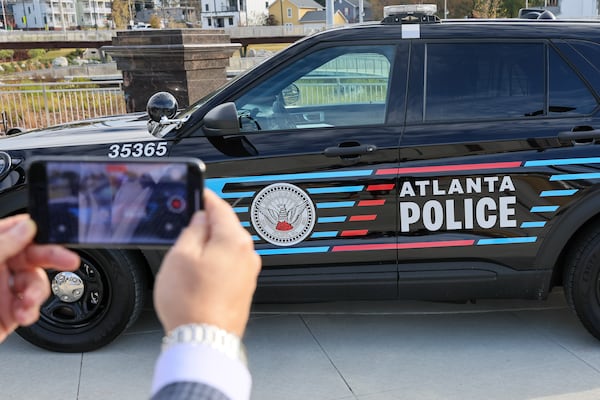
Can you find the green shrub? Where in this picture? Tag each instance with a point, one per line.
(35, 53)
(6, 54)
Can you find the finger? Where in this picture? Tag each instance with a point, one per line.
(221, 217)
(194, 236)
(18, 236)
(50, 256)
(8, 222)
(32, 288)
(7, 321)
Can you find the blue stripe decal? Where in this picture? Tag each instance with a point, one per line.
(564, 161)
(255, 238)
(218, 184)
(336, 204)
(240, 209)
(246, 224)
(530, 239)
(324, 234)
(543, 209)
(533, 224)
(325, 220)
(573, 177)
(341, 189)
(299, 250)
(565, 192)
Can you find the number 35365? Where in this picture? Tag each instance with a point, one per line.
(147, 149)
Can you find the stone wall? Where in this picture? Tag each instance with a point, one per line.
(188, 63)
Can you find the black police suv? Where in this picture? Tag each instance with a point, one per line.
(410, 158)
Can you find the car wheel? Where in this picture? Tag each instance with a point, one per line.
(581, 280)
(90, 307)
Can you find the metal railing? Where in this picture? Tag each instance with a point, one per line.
(36, 105)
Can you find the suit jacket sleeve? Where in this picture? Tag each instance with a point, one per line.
(189, 390)
(200, 367)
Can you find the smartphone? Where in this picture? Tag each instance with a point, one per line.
(91, 201)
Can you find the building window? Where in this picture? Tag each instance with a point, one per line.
(289, 13)
(206, 9)
(209, 22)
(230, 21)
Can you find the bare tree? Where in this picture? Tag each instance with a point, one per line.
(120, 13)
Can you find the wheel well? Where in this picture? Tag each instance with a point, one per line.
(145, 266)
(557, 275)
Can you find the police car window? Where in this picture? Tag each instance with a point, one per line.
(483, 81)
(589, 50)
(568, 94)
(341, 86)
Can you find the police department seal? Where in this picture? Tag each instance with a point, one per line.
(283, 214)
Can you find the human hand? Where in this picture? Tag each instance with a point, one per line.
(209, 275)
(24, 284)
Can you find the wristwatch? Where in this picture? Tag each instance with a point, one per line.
(219, 339)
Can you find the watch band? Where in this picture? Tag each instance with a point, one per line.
(219, 339)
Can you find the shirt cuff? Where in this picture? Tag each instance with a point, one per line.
(201, 363)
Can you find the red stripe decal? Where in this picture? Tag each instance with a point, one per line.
(447, 243)
(447, 168)
(387, 186)
(357, 232)
(403, 246)
(366, 203)
(365, 247)
(371, 217)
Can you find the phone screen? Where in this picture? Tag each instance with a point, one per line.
(123, 203)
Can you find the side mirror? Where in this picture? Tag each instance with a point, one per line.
(291, 94)
(222, 120)
(161, 105)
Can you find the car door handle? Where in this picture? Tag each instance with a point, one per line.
(580, 136)
(339, 151)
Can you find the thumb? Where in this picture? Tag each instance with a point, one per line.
(196, 234)
(17, 238)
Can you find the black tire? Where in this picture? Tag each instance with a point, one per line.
(113, 297)
(581, 280)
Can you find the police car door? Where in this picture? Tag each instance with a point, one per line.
(306, 183)
(473, 209)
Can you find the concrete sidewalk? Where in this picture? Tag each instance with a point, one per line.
(363, 350)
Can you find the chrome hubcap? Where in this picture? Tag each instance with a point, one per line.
(68, 287)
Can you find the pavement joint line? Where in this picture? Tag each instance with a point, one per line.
(558, 343)
(80, 373)
(144, 332)
(366, 313)
(328, 357)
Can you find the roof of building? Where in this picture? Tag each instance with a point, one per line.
(306, 4)
(366, 4)
(317, 16)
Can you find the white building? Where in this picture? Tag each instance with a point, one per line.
(578, 8)
(93, 13)
(565, 9)
(60, 14)
(219, 14)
